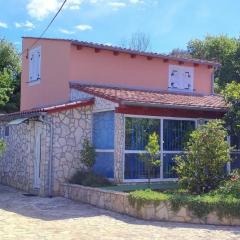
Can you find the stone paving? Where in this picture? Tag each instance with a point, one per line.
(33, 218)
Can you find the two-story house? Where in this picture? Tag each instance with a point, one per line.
(72, 90)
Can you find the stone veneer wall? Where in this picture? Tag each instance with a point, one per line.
(70, 128)
(17, 162)
(119, 147)
(118, 202)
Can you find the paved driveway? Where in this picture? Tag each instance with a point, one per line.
(32, 218)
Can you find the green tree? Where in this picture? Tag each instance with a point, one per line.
(9, 77)
(151, 157)
(88, 154)
(232, 118)
(221, 49)
(201, 168)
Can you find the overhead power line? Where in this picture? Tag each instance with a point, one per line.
(45, 30)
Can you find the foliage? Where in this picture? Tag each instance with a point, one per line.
(232, 117)
(231, 186)
(88, 154)
(9, 77)
(151, 159)
(2, 146)
(201, 168)
(199, 205)
(91, 179)
(223, 49)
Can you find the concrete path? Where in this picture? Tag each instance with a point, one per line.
(33, 218)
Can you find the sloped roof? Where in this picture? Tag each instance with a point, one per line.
(135, 52)
(165, 99)
(49, 109)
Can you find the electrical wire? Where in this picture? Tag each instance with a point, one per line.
(45, 30)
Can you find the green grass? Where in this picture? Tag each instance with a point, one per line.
(200, 205)
(142, 186)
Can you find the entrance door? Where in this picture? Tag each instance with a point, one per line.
(37, 156)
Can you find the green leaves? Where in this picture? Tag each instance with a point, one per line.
(207, 152)
(88, 154)
(9, 77)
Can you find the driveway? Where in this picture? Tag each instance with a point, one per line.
(23, 217)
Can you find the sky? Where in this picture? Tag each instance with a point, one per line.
(169, 24)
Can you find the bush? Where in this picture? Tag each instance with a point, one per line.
(91, 179)
(88, 154)
(199, 205)
(231, 186)
(201, 168)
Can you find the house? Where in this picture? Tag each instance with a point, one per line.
(73, 90)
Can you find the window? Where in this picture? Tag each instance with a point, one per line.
(180, 78)
(174, 135)
(103, 141)
(6, 131)
(35, 65)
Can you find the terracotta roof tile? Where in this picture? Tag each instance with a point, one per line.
(157, 98)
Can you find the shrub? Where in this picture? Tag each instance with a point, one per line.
(201, 168)
(2, 146)
(90, 179)
(88, 154)
(231, 186)
(199, 205)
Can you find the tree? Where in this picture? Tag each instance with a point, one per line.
(88, 154)
(151, 158)
(139, 41)
(222, 49)
(232, 118)
(9, 77)
(201, 168)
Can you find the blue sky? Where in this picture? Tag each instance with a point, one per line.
(169, 23)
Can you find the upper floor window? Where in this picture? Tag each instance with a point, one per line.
(180, 78)
(35, 65)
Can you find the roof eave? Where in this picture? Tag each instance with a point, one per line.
(175, 106)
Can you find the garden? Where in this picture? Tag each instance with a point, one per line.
(205, 184)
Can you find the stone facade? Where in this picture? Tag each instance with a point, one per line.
(119, 147)
(118, 202)
(18, 159)
(70, 128)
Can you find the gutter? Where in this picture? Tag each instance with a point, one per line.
(127, 103)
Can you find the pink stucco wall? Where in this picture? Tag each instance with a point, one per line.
(62, 62)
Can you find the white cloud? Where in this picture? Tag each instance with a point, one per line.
(40, 9)
(28, 25)
(3, 25)
(117, 5)
(65, 31)
(83, 27)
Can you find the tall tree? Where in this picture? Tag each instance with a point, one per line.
(139, 41)
(9, 77)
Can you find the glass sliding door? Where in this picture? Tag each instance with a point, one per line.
(175, 133)
(137, 131)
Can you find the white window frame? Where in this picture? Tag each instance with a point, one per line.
(32, 82)
(162, 152)
(181, 70)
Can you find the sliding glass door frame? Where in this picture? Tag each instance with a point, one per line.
(162, 152)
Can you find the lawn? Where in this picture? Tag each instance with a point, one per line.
(171, 185)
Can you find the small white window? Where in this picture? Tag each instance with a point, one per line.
(35, 65)
(180, 78)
